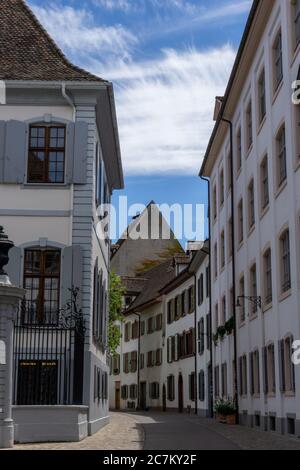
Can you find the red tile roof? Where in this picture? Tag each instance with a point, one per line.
(28, 53)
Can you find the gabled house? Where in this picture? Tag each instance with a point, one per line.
(59, 160)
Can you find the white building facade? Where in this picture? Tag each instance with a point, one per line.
(58, 163)
(258, 176)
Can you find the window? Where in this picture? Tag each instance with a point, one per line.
(277, 60)
(208, 331)
(171, 312)
(269, 370)
(239, 150)
(243, 376)
(142, 361)
(222, 188)
(133, 392)
(241, 221)
(285, 261)
(154, 391)
(183, 303)
(133, 362)
(184, 345)
(216, 317)
(159, 322)
(201, 335)
(208, 281)
(158, 357)
(264, 175)
(215, 203)
(191, 299)
(150, 327)
(126, 363)
(287, 368)
(135, 330)
(281, 157)
(201, 386)
(192, 387)
(116, 364)
(143, 328)
(42, 284)
(217, 382)
(249, 129)
(216, 259)
(296, 17)
(268, 291)
(127, 332)
(254, 373)
(224, 380)
(171, 388)
(201, 289)
(150, 359)
(222, 249)
(223, 313)
(46, 160)
(124, 392)
(262, 96)
(242, 301)
(253, 287)
(251, 205)
(230, 234)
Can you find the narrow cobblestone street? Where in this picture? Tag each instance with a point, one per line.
(160, 431)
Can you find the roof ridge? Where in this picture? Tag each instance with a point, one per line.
(52, 42)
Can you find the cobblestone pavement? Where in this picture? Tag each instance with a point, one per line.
(122, 433)
(170, 431)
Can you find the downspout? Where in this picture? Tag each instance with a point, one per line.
(195, 345)
(211, 385)
(69, 100)
(236, 396)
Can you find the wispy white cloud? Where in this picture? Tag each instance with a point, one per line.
(165, 108)
(76, 32)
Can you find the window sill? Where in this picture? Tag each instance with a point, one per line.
(267, 307)
(45, 185)
(264, 211)
(276, 92)
(261, 124)
(251, 230)
(240, 245)
(249, 150)
(290, 394)
(280, 189)
(238, 173)
(296, 52)
(271, 395)
(242, 324)
(284, 295)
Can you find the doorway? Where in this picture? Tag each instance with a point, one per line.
(143, 396)
(180, 394)
(118, 396)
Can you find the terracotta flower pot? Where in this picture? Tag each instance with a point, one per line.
(222, 419)
(231, 420)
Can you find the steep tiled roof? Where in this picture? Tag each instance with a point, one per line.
(27, 52)
(157, 278)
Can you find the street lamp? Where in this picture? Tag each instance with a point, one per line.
(256, 300)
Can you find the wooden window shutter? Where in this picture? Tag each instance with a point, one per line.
(251, 359)
(193, 299)
(2, 149)
(15, 152)
(172, 310)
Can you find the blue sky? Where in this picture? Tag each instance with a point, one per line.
(168, 59)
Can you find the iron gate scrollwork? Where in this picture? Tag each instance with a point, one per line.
(49, 355)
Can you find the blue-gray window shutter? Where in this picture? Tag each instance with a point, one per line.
(2, 148)
(71, 275)
(70, 152)
(14, 266)
(80, 152)
(15, 152)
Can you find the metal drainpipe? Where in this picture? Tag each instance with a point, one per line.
(236, 396)
(210, 300)
(68, 99)
(196, 358)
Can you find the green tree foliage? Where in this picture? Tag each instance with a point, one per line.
(116, 292)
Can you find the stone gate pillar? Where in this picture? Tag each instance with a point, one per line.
(10, 297)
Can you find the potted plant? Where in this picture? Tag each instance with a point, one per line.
(225, 410)
(229, 326)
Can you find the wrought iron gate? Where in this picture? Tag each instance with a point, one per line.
(48, 356)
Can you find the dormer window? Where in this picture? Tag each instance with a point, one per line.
(46, 160)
